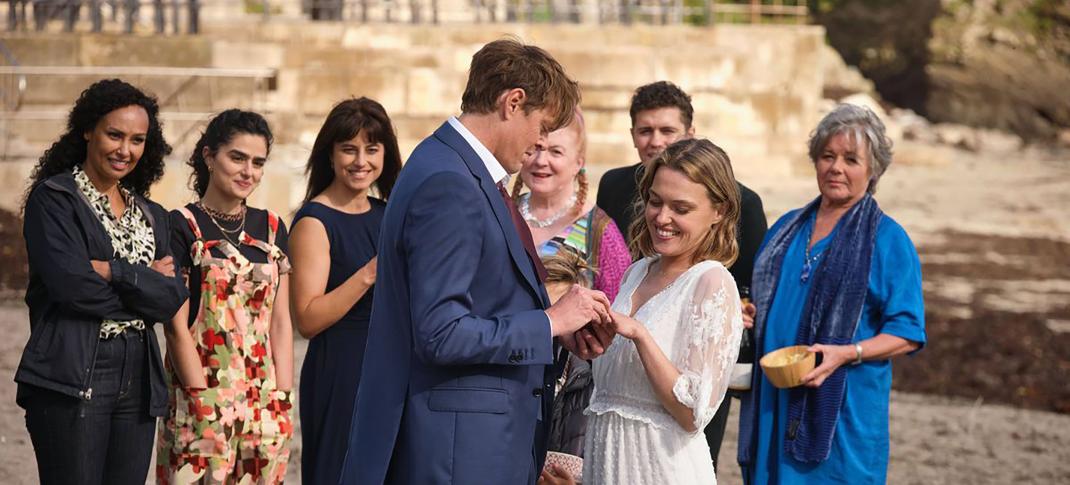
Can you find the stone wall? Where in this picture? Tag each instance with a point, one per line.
(756, 89)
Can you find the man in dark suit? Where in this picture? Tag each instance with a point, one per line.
(458, 381)
(661, 114)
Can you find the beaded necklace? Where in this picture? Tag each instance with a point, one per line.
(525, 211)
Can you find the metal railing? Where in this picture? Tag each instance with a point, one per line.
(177, 16)
(697, 12)
(38, 14)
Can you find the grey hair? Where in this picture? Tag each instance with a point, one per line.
(859, 122)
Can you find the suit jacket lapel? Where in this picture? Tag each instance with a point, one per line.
(454, 140)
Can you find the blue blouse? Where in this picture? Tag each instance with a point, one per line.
(893, 306)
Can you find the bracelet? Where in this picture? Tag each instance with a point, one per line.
(858, 354)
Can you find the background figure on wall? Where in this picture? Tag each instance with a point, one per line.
(324, 9)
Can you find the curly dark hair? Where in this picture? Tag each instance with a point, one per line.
(662, 94)
(99, 99)
(344, 122)
(220, 131)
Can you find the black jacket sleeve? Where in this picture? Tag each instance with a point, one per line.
(617, 196)
(154, 296)
(58, 255)
(752, 227)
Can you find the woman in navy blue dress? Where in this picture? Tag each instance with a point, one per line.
(333, 250)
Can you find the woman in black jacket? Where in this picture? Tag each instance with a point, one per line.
(101, 275)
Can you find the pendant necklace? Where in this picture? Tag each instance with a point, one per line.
(808, 261)
(227, 233)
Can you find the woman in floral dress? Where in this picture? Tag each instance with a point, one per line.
(230, 348)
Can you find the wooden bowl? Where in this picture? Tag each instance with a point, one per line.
(786, 367)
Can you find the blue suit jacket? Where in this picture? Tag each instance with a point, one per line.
(457, 368)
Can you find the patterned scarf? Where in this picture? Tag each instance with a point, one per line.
(830, 315)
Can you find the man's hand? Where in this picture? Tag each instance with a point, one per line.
(576, 308)
(588, 342)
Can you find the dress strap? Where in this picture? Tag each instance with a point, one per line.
(200, 248)
(275, 254)
(273, 226)
(192, 222)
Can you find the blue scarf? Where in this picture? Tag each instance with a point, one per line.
(830, 315)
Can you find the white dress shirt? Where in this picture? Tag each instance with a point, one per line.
(494, 167)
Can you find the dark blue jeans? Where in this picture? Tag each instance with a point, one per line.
(104, 440)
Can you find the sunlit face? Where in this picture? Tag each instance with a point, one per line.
(357, 163)
(655, 129)
(237, 166)
(115, 144)
(843, 169)
(678, 214)
(525, 130)
(554, 163)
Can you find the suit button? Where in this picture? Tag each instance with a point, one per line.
(537, 392)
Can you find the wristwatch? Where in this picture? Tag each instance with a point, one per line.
(858, 354)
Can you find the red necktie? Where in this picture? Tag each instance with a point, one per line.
(523, 232)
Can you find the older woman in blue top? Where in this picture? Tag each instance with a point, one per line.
(844, 278)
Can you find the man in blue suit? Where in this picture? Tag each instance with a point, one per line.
(458, 378)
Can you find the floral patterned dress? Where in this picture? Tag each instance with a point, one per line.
(236, 430)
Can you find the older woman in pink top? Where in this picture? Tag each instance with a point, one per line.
(558, 213)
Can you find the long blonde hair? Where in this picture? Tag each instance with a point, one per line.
(708, 165)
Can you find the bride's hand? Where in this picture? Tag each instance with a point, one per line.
(627, 327)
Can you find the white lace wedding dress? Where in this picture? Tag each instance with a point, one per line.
(631, 439)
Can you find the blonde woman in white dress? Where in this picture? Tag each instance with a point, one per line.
(678, 323)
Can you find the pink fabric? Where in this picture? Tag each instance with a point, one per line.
(613, 261)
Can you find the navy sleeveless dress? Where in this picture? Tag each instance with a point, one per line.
(331, 371)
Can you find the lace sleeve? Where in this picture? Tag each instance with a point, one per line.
(709, 344)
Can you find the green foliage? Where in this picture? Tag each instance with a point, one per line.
(825, 6)
(697, 19)
(257, 7)
(1043, 15)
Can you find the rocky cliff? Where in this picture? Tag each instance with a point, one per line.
(1001, 64)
